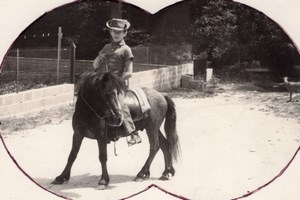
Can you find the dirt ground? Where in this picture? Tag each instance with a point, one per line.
(232, 142)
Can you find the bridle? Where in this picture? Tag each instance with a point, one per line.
(99, 117)
(94, 111)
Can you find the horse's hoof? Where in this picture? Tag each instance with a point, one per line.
(142, 176)
(166, 177)
(138, 179)
(57, 182)
(101, 187)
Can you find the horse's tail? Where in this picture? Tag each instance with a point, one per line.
(170, 129)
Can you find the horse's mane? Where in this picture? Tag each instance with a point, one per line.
(95, 82)
(110, 82)
(88, 83)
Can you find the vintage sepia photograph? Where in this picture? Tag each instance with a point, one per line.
(195, 99)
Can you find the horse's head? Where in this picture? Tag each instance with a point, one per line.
(101, 93)
(112, 90)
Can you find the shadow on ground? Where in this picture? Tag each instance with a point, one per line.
(83, 181)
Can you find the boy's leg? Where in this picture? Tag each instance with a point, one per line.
(129, 127)
(128, 124)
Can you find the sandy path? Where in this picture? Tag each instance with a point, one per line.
(229, 146)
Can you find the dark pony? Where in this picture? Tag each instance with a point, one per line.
(98, 113)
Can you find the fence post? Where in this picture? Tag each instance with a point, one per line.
(72, 65)
(147, 49)
(166, 61)
(58, 53)
(18, 70)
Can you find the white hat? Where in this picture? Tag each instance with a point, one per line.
(118, 24)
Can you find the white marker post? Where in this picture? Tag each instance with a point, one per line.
(209, 73)
(58, 53)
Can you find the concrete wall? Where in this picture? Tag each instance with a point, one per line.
(161, 79)
(35, 100)
(38, 99)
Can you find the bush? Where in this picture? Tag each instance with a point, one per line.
(12, 87)
(234, 73)
(180, 54)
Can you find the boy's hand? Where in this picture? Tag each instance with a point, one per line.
(96, 63)
(98, 60)
(101, 55)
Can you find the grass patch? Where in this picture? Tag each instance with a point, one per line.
(192, 93)
(33, 120)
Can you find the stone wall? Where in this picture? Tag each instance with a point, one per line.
(161, 79)
(36, 99)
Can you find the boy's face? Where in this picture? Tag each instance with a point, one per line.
(117, 36)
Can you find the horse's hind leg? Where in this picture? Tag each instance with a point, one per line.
(65, 175)
(169, 170)
(154, 147)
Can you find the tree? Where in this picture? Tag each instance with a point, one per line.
(83, 22)
(227, 32)
(213, 29)
(262, 39)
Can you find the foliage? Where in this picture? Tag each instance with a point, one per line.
(259, 37)
(223, 31)
(213, 29)
(229, 32)
(213, 82)
(180, 53)
(12, 87)
(233, 73)
(81, 22)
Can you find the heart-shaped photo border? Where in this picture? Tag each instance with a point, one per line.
(286, 22)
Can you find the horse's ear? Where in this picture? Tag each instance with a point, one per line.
(96, 81)
(103, 78)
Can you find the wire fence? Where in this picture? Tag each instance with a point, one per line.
(34, 68)
(25, 69)
(157, 56)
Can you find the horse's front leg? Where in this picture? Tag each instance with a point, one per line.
(65, 175)
(104, 181)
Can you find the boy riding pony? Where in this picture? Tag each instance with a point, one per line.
(117, 58)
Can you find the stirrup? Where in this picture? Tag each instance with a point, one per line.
(131, 141)
(137, 139)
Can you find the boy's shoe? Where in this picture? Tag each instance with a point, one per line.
(131, 142)
(135, 139)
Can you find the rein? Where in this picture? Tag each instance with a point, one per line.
(94, 109)
(115, 147)
(98, 116)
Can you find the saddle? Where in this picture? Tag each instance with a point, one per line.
(138, 105)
